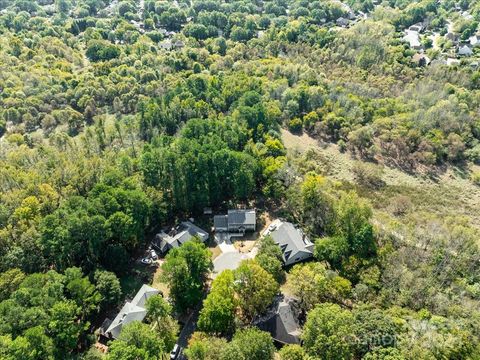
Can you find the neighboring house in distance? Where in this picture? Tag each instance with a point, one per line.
(475, 40)
(438, 62)
(465, 50)
(132, 311)
(420, 59)
(413, 39)
(341, 21)
(452, 62)
(452, 37)
(282, 322)
(293, 242)
(418, 27)
(179, 235)
(467, 16)
(236, 221)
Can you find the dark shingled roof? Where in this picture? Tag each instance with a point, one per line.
(220, 221)
(241, 217)
(282, 322)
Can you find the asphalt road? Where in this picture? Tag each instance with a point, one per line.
(189, 328)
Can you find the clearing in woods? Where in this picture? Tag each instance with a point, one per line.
(451, 193)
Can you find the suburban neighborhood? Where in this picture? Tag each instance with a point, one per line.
(240, 180)
(235, 235)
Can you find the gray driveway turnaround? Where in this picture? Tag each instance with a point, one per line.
(229, 260)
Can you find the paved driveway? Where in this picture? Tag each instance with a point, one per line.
(229, 260)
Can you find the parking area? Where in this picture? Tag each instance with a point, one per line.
(231, 256)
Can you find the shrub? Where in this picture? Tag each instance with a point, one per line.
(295, 125)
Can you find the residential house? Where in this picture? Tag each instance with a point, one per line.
(179, 44)
(418, 27)
(465, 50)
(282, 321)
(452, 62)
(467, 16)
(293, 242)
(438, 62)
(236, 221)
(420, 59)
(413, 39)
(341, 21)
(169, 44)
(166, 44)
(179, 235)
(475, 40)
(452, 37)
(132, 311)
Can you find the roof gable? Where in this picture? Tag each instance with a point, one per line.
(132, 311)
(291, 240)
(241, 217)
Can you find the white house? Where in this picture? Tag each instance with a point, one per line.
(293, 242)
(413, 39)
(475, 40)
(465, 50)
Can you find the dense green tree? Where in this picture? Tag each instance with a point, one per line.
(137, 341)
(313, 284)
(292, 352)
(218, 313)
(159, 312)
(255, 289)
(10, 280)
(250, 343)
(102, 50)
(185, 270)
(65, 327)
(108, 286)
(270, 258)
(204, 347)
(328, 332)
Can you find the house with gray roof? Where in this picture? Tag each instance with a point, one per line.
(418, 27)
(475, 40)
(413, 39)
(293, 242)
(341, 21)
(236, 221)
(282, 321)
(452, 37)
(465, 50)
(132, 311)
(179, 235)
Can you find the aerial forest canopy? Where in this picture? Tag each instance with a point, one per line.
(120, 118)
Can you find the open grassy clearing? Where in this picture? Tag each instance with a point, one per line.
(451, 193)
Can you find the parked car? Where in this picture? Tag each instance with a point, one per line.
(153, 255)
(174, 354)
(146, 261)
